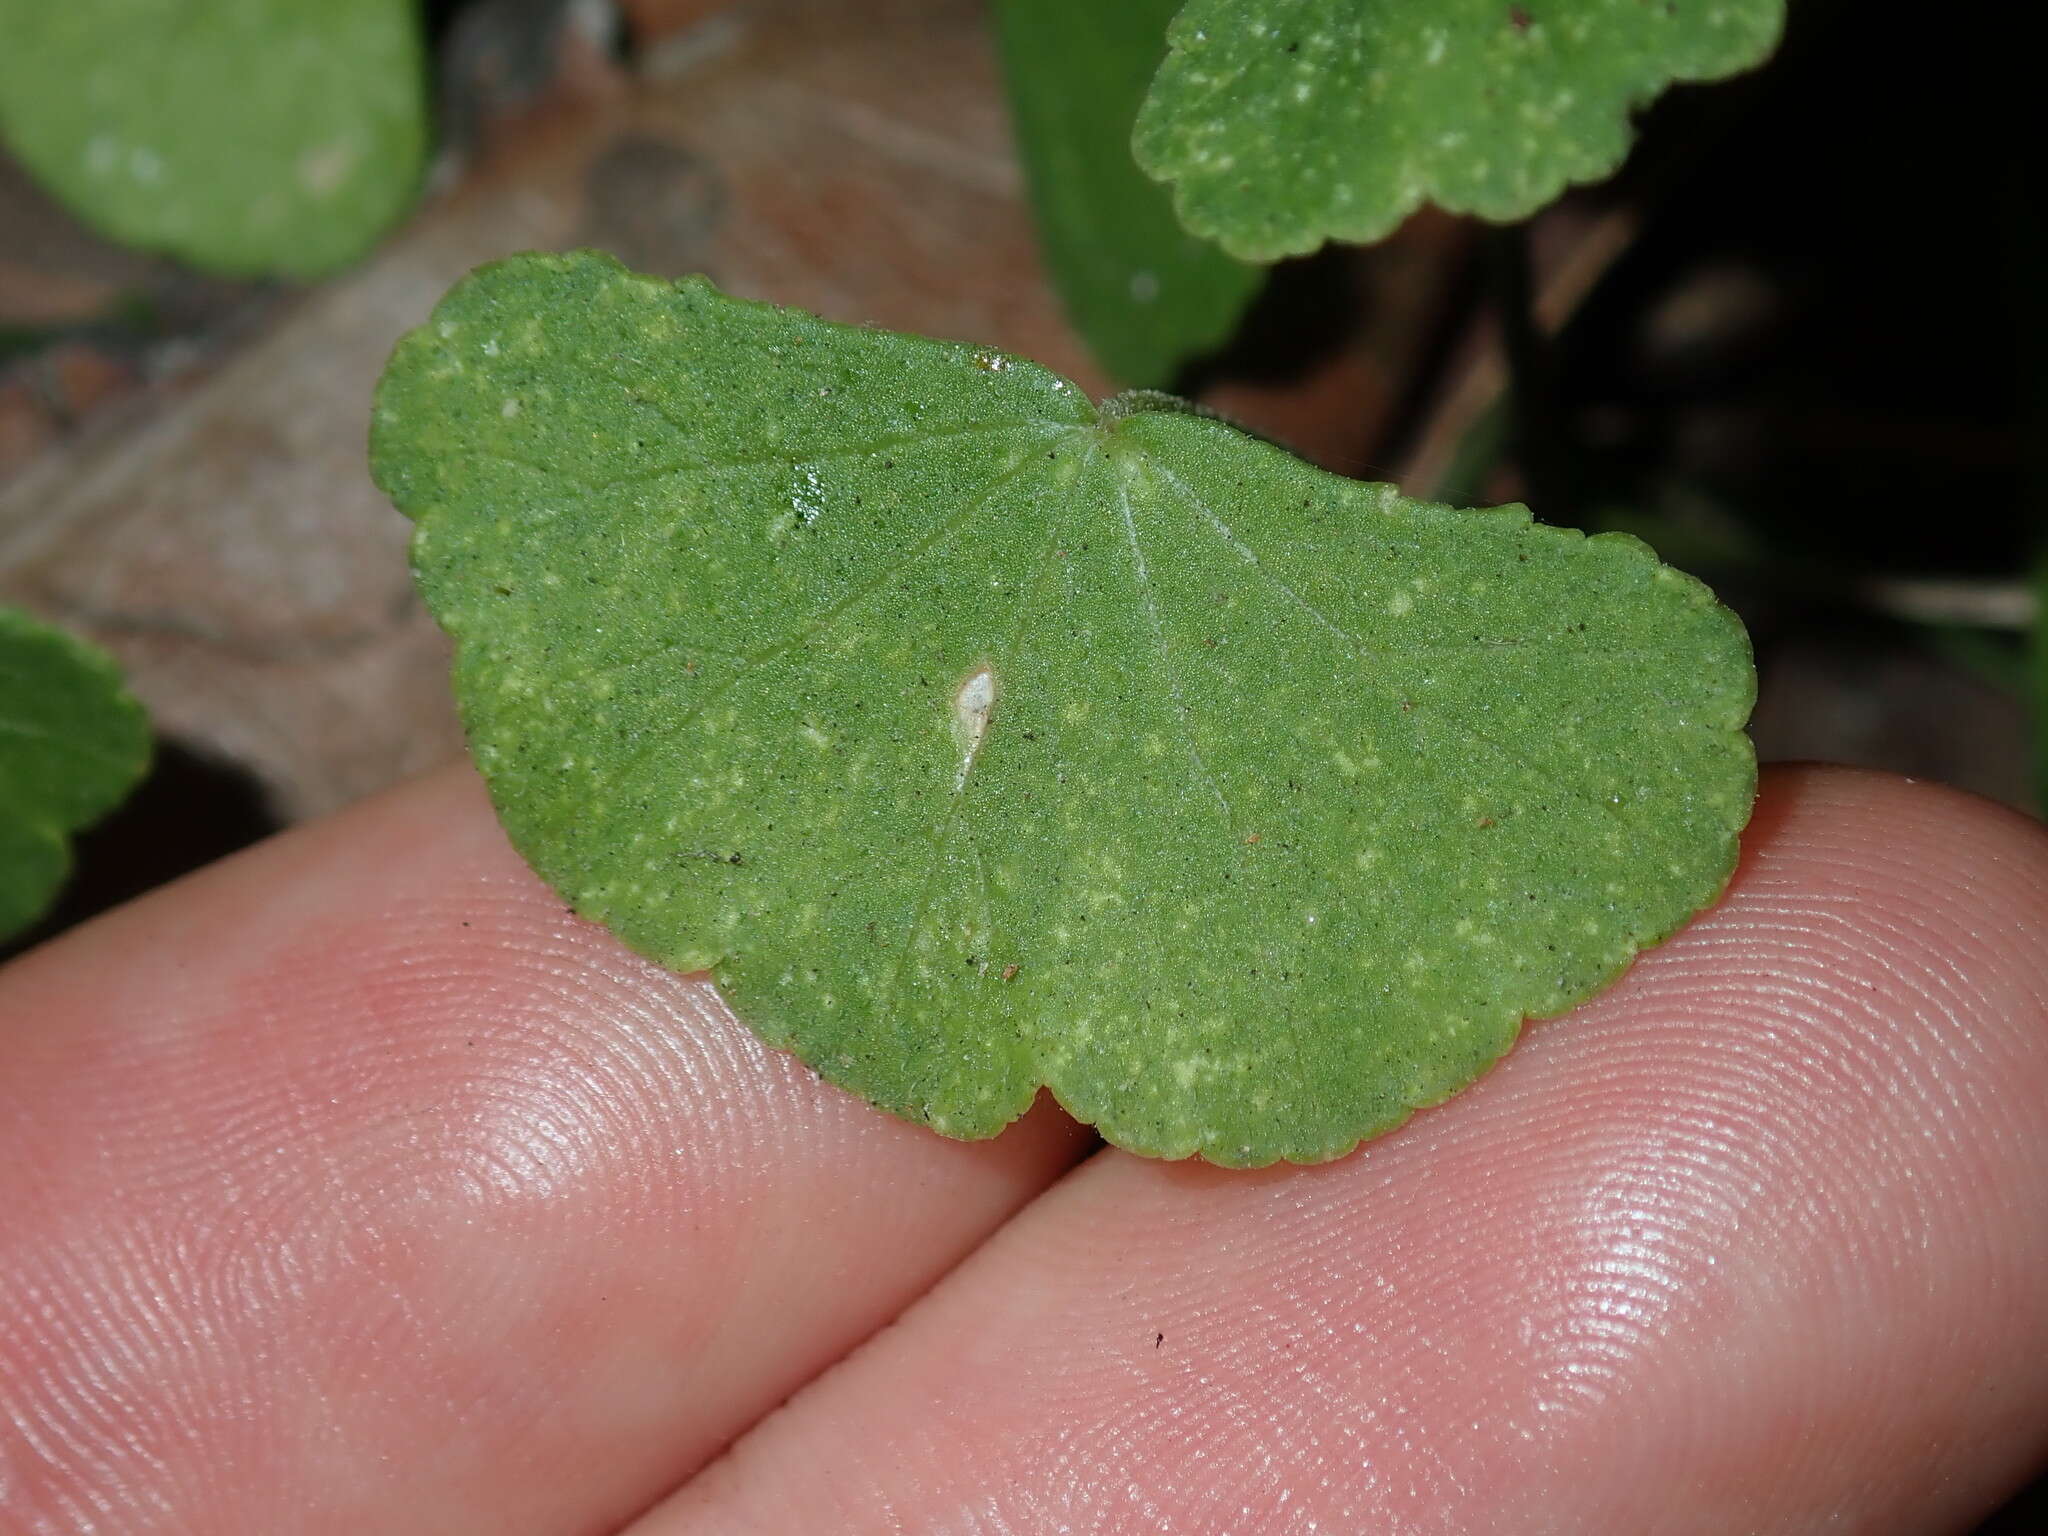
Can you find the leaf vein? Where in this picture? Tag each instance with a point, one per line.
(829, 616)
(1245, 552)
(943, 826)
(785, 460)
(1143, 583)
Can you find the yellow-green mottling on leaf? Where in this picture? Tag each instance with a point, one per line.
(72, 744)
(977, 738)
(1285, 123)
(248, 137)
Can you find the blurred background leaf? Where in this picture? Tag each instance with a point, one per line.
(1283, 123)
(72, 744)
(1146, 295)
(246, 137)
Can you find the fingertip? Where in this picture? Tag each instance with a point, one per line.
(1749, 1242)
(358, 1167)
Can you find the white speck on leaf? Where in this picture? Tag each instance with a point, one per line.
(971, 706)
(808, 499)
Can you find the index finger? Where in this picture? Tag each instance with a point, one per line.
(352, 1184)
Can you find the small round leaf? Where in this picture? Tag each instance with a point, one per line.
(72, 744)
(247, 137)
(978, 739)
(1285, 123)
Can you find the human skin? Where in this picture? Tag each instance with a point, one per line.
(353, 1186)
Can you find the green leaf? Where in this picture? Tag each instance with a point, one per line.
(1285, 123)
(977, 739)
(243, 136)
(72, 744)
(1145, 294)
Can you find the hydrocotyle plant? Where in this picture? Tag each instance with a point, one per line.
(1145, 293)
(248, 137)
(1284, 123)
(72, 745)
(977, 738)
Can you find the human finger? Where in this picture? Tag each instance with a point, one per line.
(1752, 1242)
(352, 1185)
